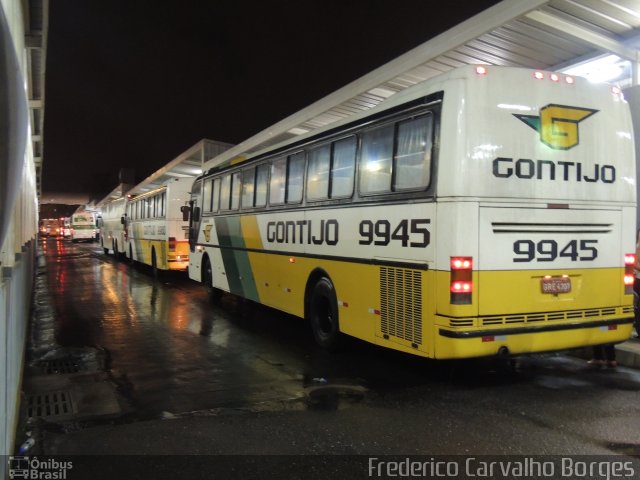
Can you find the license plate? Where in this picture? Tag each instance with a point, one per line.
(555, 285)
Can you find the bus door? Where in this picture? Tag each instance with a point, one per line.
(195, 205)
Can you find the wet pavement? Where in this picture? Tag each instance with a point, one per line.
(121, 364)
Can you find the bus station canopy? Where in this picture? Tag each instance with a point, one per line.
(187, 164)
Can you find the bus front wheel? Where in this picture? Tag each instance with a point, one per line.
(323, 315)
(207, 272)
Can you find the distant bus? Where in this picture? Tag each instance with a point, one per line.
(156, 233)
(488, 211)
(83, 227)
(111, 227)
(51, 227)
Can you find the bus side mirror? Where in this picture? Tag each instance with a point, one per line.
(123, 220)
(196, 214)
(186, 210)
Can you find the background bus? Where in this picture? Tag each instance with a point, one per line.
(111, 227)
(50, 227)
(83, 227)
(157, 235)
(488, 211)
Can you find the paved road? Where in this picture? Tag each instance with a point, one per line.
(154, 368)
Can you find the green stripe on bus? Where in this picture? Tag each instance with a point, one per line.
(236, 260)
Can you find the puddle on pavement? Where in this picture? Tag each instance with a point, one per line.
(323, 395)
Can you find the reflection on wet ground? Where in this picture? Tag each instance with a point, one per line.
(170, 351)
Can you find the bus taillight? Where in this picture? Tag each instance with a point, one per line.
(172, 244)
(629, 277)
(461, 286)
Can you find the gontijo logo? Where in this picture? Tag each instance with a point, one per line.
(558, 124)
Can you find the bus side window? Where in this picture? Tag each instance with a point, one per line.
(262, 183)
(215, 205)
(376, 160)
(235, 191)
(295, 178)
(343, 167)
(278, 179)
(248, 187)
(413, 156)
(318, 173)
(225, 193)
(206, 197)
(163, 203)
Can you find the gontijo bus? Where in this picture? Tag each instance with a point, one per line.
(155, 232)
(486, 211)
(111, 228)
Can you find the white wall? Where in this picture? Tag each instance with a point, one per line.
(18, 218)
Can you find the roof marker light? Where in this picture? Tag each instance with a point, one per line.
(480, 70)
(569, 80)
(538, 75)
(554, 77)
(616, 90)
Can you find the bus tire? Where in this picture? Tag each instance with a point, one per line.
(207, 278)
(323, 315)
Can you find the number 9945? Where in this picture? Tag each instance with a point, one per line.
(549, 250)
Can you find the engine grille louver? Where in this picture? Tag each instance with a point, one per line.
(401, 303)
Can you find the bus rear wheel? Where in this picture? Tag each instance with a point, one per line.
(323, 315)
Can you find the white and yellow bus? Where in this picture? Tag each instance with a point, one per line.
(83, 227)
(157, 235)
(488, 211)
(111, 227)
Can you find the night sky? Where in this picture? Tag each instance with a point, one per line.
(135, 83)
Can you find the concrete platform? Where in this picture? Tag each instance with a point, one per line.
(628, 353)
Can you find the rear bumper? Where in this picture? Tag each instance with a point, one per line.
(525, 339)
